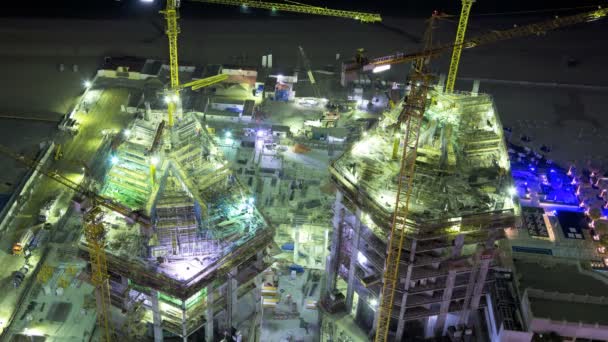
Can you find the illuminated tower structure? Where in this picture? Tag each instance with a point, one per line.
(461, 203)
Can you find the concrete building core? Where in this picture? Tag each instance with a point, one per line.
(207, 243)
(461, 202)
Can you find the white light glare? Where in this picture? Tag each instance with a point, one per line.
(361, 258)
(228, 134)
(512, 191)
(87, 84)
(381, 68)
(373, 302)
(154, 161)
(127, 132)
(175, 98)
(114, 159)
(147, 1)
(167, 99)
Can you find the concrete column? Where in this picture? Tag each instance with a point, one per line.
(259, 260)
(258, 308)
(184, 322)
(156, 318)
(458, 244)
(124, 281)
(481, 281)
(296, 241)
(445, 302)
(209, 314)
(475, 90)
(406, 280)
(231, 297)
(353, 261)
(334, 257)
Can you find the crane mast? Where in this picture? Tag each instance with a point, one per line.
(171, 16)
(460, 32)
(311, 77)
(408, 126)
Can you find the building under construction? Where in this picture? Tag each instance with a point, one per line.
(460, 204)
(207, 241)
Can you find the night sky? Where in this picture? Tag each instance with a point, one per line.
(411, 8)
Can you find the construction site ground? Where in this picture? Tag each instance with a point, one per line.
(104, 114)
(557, 108)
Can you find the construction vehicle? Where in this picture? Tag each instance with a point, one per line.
(46, 210)
(22, 242)
(94, 231)
(408, 127)
(19, 276)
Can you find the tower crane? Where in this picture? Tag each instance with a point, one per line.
(292, 6)
(311, 77)
(455, 61)
(94, 233)
(408, 127)
(172, 30)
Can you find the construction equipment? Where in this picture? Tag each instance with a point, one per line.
(311, 78)
(408, 126)
(204, 82)
(491, 37)
(94, 232)
(296, 7)
(21, 244)
(462, 27)
(171, 16)
(172, 31)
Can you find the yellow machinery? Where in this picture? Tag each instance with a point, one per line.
(410, 120)
(460, 32)
(205, 82)
(95, 236)
(172, 31)
(300, 8)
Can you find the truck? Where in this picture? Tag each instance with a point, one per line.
(45, 211)
(22, 242)
(19, 276)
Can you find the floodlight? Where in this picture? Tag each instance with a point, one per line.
(381, 68)
(373, 302)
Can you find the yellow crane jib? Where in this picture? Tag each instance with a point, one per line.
(492, 37)
(460, 32)
(300, 8)
(205, 82)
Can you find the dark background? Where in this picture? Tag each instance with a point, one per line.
(89, 9)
